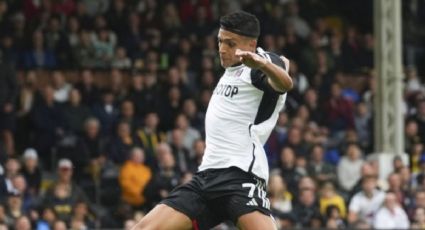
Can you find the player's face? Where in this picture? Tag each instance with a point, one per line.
(228, 42)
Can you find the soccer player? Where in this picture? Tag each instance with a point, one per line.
(230, 183)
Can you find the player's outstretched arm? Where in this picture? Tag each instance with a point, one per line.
(279, 79)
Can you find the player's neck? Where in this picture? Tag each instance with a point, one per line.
(236, 64)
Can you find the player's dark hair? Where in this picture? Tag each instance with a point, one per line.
(242, 23)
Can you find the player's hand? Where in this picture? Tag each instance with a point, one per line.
(251, 59)
(286, 61)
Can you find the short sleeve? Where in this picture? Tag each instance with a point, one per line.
(259, 79)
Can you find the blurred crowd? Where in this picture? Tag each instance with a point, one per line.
(102, 106)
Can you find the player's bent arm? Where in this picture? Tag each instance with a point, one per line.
(278, 78)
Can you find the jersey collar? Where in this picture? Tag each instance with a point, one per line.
(235, 67)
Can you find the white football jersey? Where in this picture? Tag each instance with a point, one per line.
(241, 114)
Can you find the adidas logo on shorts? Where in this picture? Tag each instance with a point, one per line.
(252, 202)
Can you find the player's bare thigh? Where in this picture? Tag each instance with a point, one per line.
(163, 217)
(256, 221)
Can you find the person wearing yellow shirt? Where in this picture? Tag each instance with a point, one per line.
(279, 196)
(133, 178)
(328, 196)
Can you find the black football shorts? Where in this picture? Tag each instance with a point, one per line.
(217, 195)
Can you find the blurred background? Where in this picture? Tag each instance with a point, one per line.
(102, 106)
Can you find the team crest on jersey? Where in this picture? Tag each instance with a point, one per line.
(238, 73)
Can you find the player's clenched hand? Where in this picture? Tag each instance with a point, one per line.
(251, 59)
(286, 61)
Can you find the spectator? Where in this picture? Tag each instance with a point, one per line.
(348, 169)
(312, 103)
(104, 45)
(73, 31)
(77, 224)
(91, 147)
(181, 153)
(23, 223)
(107, 112)
(301, 83)
(420, 119)
(198, 152)
(20, 186)
(26, 100)
(57, 42)
(362, 121)
(117, 85)
(75, 114)
(306, 208)
(61, 87)
(12, 168)
(395, 187)
(301, 27)
(65, 7)
(39, 56)
(134, 176)
(82, 217)
(47, 219)
(128, 115)
(419, 219)
(85, 52)
(120, 60)
(190, 110)
(27, 93)
(280, 198)
(391, 215)
(59, 225)
(63, 194)
(329, 197)
(15, 206)
(31, 171)
(276, 139)
(170, 108)
(295, 141)
(133, 36)
(351, 50)
(90, 93)
(150, 136)
(318, 168)
(411, 134)
(189, 133)
(365, 204)
(165, 179)
(413, 84)
(307, 183)
(8, 93)
(117, 15)
(333, 218)
(48, 123)
(287, 168)
(136, 93)
(339, 111)
(4, 218)
(122, 143)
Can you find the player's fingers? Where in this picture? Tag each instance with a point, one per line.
(238, 52)
(241, 53)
